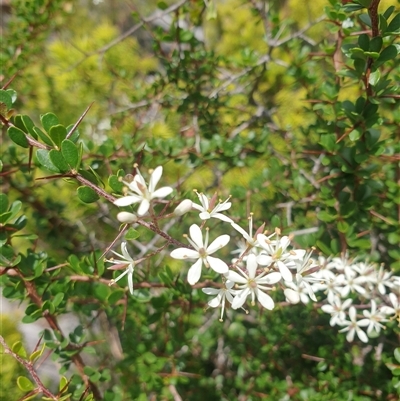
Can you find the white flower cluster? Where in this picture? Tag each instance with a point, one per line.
(266, 263)
(360, 296)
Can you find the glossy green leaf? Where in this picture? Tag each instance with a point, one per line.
(397, 354)
(19, 349)
(70, 152)
(87, 195)
(5, 98)
(18, 136)
(376, 44)
(44, 137)
(374, 77)
(3, 203)
(394, 25)
(44, 159)
(24, 384)
(37, 354)
(115, 184)
(58, 160)
(57, 134)
(48, 120)
(29, 125)
(131, 234)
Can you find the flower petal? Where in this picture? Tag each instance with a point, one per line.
(235, 277)
(217, 265)
(252, 265)
(240, 299)
(211, 291)
(294, 298)
(286, 274)
(127, 200)
(215, 301)
(144, 207)
(154, 178)
(161, 193)
(265, 300)
(271, 278)
(184, 253)
(196, 235)
(218, 243)
(194, 272)
(264, 260)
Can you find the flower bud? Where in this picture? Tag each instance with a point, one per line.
(127, 218)
(184, 207)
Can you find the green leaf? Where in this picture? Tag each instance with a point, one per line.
(394, 26)
(18, 136)
(63, 386)
(365, 18)
(397, 354)
(387, 54)
(374, 77)
(355, 134)
(87, 195)
(37, 354)
(48, 120)
(71, 154)
(19, 349)
(325, 216)
(58, 299)
(3, 203)
(131, 234)
(162, 5)
(29, 125)
(57, 134)
(44, 137)
(5, 98)
(24, 384)
(363, 41)
(376, 44)
(365, 3)
(44, 159)
(115, 184)
(58, 160)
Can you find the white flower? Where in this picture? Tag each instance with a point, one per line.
(382, 279)
(127, 262)
(337, 310)
(184, 207)
(249, 284)
(127, 218)
(222, 294)
(139, 192)
(352, 282)
(251, 239)
(295, 293)
(202, 252)
(375, 318)
(395, 310)
(276, 253)
(208, 209)
(305, 275)
(354, 326)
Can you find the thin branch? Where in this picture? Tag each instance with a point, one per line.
(29, 367)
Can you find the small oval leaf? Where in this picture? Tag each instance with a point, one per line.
(48, 120)
(44, 159)
(70, 153)
(57, 134)
(18, 136)
(58, 160)
(24, 384)
(87, 195)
